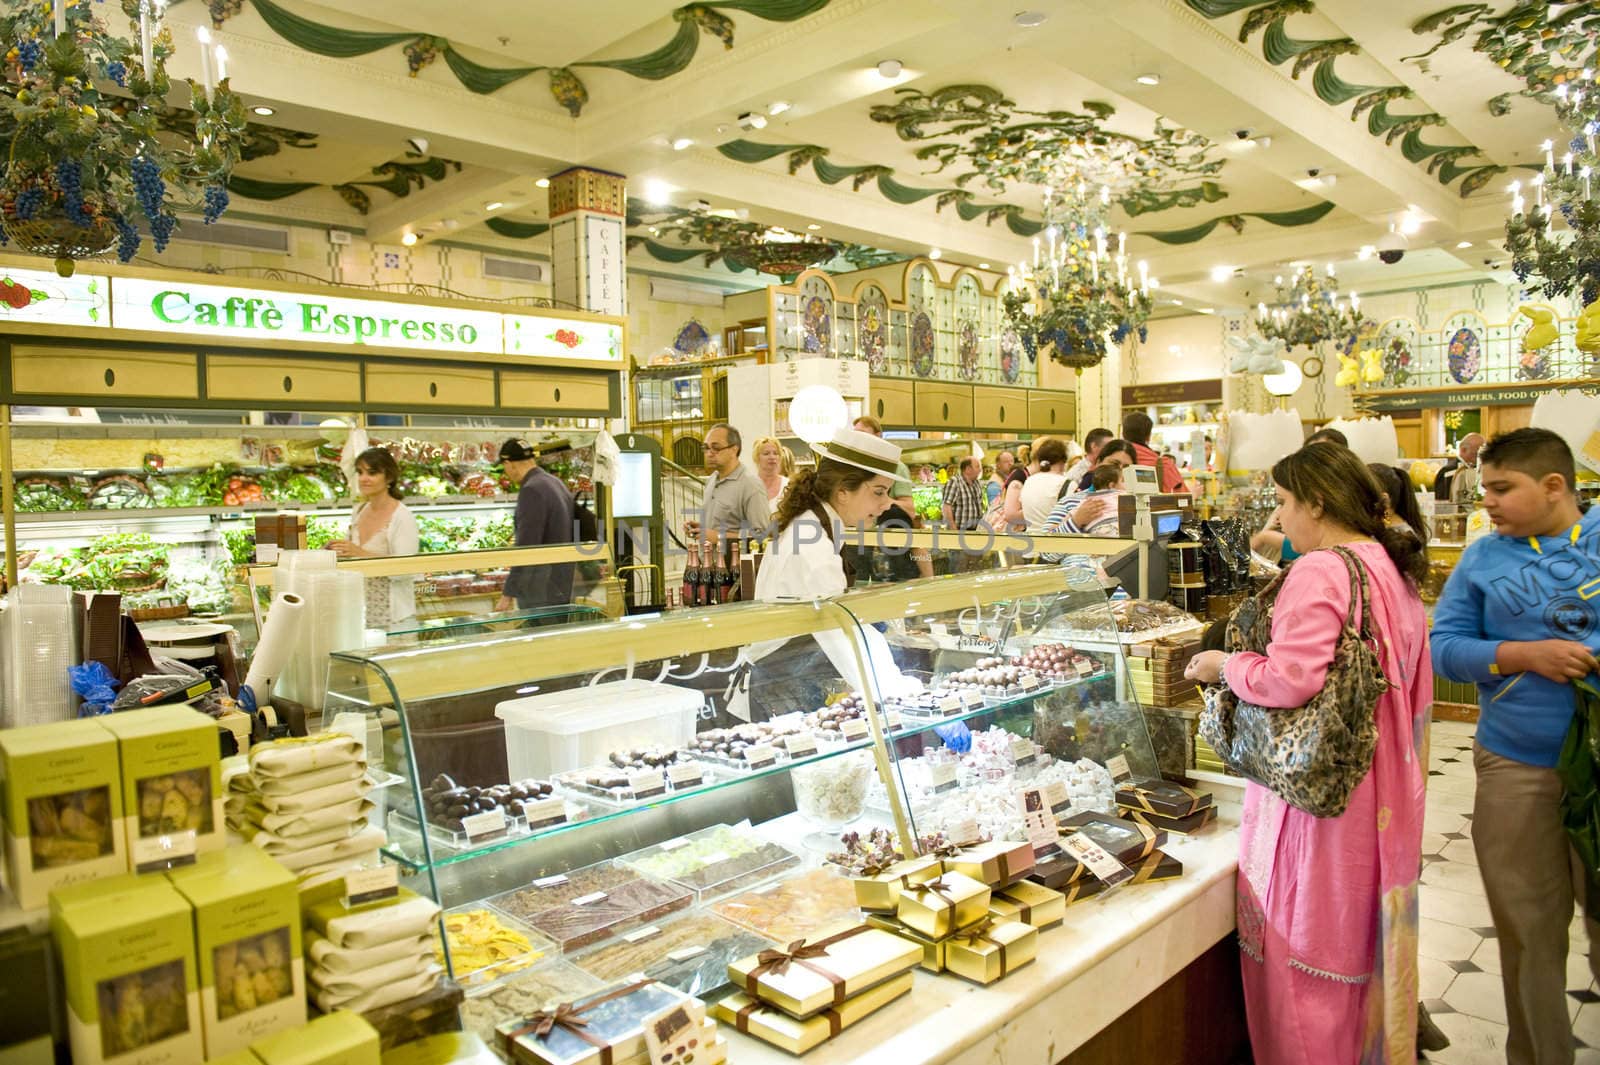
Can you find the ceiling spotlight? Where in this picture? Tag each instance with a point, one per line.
(408, 238)
(890, 68)
(983, 266)
(778, 107)
(1148, 79)
(1263, 142)
(493, 205)
(1367, 251)
(935, 253)
(1410, 223)
(657, 191)
(681, 143)
(542, 183)
(1029, 19)
(1463, 243)
(1206, 310)
(1176, 303)
(813, 225)
(263, 110)
(1221, 273)
(752, 120)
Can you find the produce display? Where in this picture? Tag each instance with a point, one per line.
(795, 908)
(486, 945)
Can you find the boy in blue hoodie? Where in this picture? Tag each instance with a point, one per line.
(1520, 617)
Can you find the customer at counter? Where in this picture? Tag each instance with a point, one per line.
(995, 483)
(1136, 429)
(773, 468)
(380, 526)
(1038, 493)
(1093, 444)
(544, 516)
(735, 501)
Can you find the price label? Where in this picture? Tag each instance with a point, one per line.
(972, 698)
(685, 776)
(674, 844)
(165, 852)
(643, 934)
(950, 705)
(716, 856)
(648, 783)
(545, 812)
(854, 729)
(1055, 793)
(1038, 824)
(892, 719)
(943, 776)
(1117, 765)
(1085, 667)
(685, 954)
(965, 832)
(590, 899)
(550, 881)
(801, 746)
(364, 886)
(760, 756)
(1030, 681)
(487, 825)
(1105, 867)
(1023, 750)
(938, 628)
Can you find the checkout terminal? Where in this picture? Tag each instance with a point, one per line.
(1148, 516)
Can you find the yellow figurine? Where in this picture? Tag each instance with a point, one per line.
(1372, 365)
(1349, 371)
(1544, 330)
(1588, 335)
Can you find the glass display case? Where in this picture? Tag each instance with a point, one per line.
(659, 794)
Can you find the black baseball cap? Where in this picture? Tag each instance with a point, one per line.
(517, 450)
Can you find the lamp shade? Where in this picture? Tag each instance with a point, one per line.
(816, 411)
(1286, 382)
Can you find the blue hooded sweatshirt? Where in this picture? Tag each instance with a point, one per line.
(1520, 588)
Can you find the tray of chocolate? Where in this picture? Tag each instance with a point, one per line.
(751, 746)
(523, 995)
(690, 953)
(794, 908)
(591, 904)
(995, 679)
(1058, 662)
(715, 861)
(936, 701)
(450, 808)
(845, 721)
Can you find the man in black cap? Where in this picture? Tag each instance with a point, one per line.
(544, 516)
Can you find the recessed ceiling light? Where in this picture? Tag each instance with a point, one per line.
(778, 107)
(658, 191)
(1367, 251)
(493, 205)
(542, 183)
(408, 238)
(935, 253)
(890, 68)
(1244, 144)
(1220, 273)
(263, 110)
(983, 266)
(752, 120)
(681, 143)
(1206, 310)
(1029, 19)
(813, 225)
(1463, 243)
(1148, 79)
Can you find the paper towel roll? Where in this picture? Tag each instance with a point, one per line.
(334, 618)
(277, 643)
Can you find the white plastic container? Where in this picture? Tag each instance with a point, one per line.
(566, 730)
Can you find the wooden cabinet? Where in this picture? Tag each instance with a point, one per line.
(1001, 410)
(892, 402)
(75, 372)
(1052, 412)
(263, 378)
(400, 387)
(573, 395)
(943, 406)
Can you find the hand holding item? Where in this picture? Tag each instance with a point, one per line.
(1206, 667)
(692, 529)
(503, 604)
(340, 547)
(1562, 661)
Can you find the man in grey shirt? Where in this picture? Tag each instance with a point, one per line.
(544, 516)
(735, 500)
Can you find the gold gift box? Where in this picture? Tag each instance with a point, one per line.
(850, 960)
(940, 907)
(1032, 904)
(997, 863)
(781, 1030)
(932, 949)
(991, 950)
(878, 894)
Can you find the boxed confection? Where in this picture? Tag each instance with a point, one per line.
(1124, 840)
(247, 938)
(991, 949)
(879, 892)
(933, 950)
(127, 960)
(996, 863)
(772, 1025)
(939, 907)
(342, 1037)
(1162, 797)
(63, 807)
(605, 1026)
(171, 784)
(813, 975)
(1032, 904)
(25, 997)
(1182, 826)
(1158, 865)
(429, 1013)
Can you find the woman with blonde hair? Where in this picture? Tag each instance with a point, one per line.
(774, 466)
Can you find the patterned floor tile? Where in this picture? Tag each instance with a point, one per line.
(1460, 850)
(1473, 1041)
(1454, 907)
(1479, 994)
(1446, 942)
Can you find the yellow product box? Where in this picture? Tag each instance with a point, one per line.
(940, 907)
(879, 893)
(1032, 904)
(171, 784)
(338, 1038)
(772, 1025)
(247, 939)
(127, 960)
(62, 807)
(991, 950)
(814, 975)
(996, 863)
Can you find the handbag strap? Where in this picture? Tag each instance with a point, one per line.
(1358, 580)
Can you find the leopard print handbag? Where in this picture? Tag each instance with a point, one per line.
(1312, 756)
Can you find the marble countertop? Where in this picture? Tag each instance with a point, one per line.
(1107, 955)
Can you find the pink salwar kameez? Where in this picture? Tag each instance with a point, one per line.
(1327, 907)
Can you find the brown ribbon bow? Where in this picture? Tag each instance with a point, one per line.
(947, 849)
(777, 962)
(569, 1017)
(564, 1015)
(979, 933)
(800, 952)
(936, 886)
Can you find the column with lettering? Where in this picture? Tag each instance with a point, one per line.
(588, 209)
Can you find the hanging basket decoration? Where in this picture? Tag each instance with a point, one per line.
(80, 114)
(785, 258)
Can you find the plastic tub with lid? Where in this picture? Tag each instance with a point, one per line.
(561, 731)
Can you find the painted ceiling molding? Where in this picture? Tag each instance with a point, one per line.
(422, 49)
(398, 178)
(1277, 47)
(1301, 217)
(1524, 42)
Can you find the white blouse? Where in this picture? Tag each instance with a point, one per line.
(389, 599)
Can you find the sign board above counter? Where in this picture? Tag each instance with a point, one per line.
(1172, 392)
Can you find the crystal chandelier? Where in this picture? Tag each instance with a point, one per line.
(779, 251)
(1308, 310)
(86, 160)
(1077, 292)
(1567, 259)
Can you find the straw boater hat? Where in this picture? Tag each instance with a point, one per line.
(861, 450)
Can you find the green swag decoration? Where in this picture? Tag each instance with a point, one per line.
(1525, 42)
(396, 178)
(516, 230)
(421, 49)
(1303, 217)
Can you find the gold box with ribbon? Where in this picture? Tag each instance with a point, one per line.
(997, 863)
(814, 975)
(772, 1025)
(602, 1029)
(991, 949)
(942, 906)
(1032, 904)
(878, 892)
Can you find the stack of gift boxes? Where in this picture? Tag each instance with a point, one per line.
(626, 1025)
(1163, 805)
(1155, 671)
(1134, 845)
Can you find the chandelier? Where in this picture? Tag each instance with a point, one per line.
(1568, 259)
(1308, 310)
(86, 159)
(779, 251)
(1076, 293)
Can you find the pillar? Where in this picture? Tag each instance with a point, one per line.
(588, 212)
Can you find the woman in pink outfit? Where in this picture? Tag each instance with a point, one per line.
(1327, 907)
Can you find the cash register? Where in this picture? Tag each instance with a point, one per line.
(1148, 516)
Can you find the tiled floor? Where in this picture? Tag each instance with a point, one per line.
(1460, 964)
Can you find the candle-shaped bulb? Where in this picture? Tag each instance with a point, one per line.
(61, 17)
(1261, 310)
(1105, 195)
(1566, 161)
(1355, 302)
(222, 63)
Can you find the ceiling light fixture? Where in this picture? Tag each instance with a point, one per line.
(408, 238)
(890, 69)
(658, 191)
(752, 120)
(681, 143)
(983, 266)
(263, 110)
(935, 253)
(813, 225)
(1220, 273)
(778, 107)
(542, 183)
(1148, 79)
(1029, 19)
(493, 205)
(1367, 251)
(1463, 243)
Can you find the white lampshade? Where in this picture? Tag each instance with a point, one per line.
(816, 411)
(1285, 383)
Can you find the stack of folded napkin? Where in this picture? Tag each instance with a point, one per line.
(371, 956)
